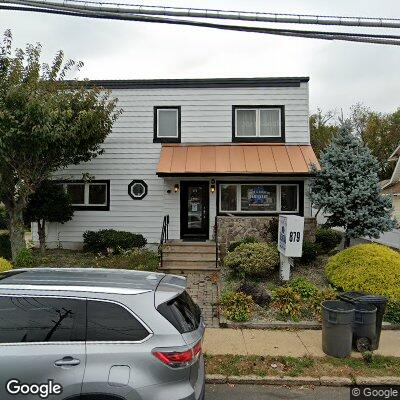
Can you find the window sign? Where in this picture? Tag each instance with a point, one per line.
(259, 198)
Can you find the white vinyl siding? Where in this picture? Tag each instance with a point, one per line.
(130, 154)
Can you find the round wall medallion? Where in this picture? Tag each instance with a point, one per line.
(137, 189)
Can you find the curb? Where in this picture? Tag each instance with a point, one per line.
(335, 381)
(302, 325)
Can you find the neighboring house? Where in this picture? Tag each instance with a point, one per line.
(194, 149)
(391, 187)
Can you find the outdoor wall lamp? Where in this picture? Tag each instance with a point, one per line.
(176, 188)
(212, 187)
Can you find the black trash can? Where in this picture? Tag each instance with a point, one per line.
(364, 327)
(380, 302)
(337, 330)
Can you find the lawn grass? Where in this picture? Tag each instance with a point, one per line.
(138, 259)
(304, 366)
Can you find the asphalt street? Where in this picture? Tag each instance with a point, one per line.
(258, 392)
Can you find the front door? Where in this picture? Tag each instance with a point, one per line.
(194, 210)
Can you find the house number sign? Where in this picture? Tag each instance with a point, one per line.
(290, 242)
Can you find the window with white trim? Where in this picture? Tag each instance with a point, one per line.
(262, 197)
(88, 195)
(259, 122)
(167, 124)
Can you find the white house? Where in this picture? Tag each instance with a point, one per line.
(194, 149)
(391, 187)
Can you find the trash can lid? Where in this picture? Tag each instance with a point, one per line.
(369, 298)
(353, 296)
(338, 306)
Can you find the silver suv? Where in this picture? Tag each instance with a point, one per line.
(99, 334)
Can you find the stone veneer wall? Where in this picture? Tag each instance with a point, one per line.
(231, 229)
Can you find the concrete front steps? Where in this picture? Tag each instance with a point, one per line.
(189, 256)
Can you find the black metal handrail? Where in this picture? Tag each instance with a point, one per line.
(164, 236)
(216, 241)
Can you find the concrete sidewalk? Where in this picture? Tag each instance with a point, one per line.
(282, 343)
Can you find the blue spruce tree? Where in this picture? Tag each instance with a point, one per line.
(346, 188)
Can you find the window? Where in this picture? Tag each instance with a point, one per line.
(137, 189)
(259, 197)
(182, 312)
(93, 195)
(167, 124)
(228, 197)
(39, 319)
(110, 322)
(258, 123)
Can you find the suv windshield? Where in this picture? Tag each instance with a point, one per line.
(182, 312)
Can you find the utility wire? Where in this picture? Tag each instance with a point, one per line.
(71, 11)
(376, 22)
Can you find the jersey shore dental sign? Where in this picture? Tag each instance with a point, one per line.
(290, 242)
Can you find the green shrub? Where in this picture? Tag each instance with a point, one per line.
(393, 312)
(233, 245)
(310, 252)
(271, 230)
(5, 246)
(236, 306)
(304, 288)
(369, 268)
(253, 259)
(24, 259)
(3, 218)
(110, 241)
(328, 239)
(288, 303)
(4, 265)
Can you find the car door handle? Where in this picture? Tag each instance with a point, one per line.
(67, 361)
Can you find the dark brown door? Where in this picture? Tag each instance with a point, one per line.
(194, 210)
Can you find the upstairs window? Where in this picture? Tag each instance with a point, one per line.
(262, 123)
(93, 195)
(167, 124)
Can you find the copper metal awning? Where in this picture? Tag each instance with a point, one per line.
(235, 159)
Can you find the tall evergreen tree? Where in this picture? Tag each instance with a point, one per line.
(347, 188)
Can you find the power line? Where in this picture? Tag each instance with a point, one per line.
(376, 22)
(354, 37)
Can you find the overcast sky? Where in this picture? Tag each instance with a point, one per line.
(341, 73)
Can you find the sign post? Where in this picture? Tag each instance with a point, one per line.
(290, 242)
